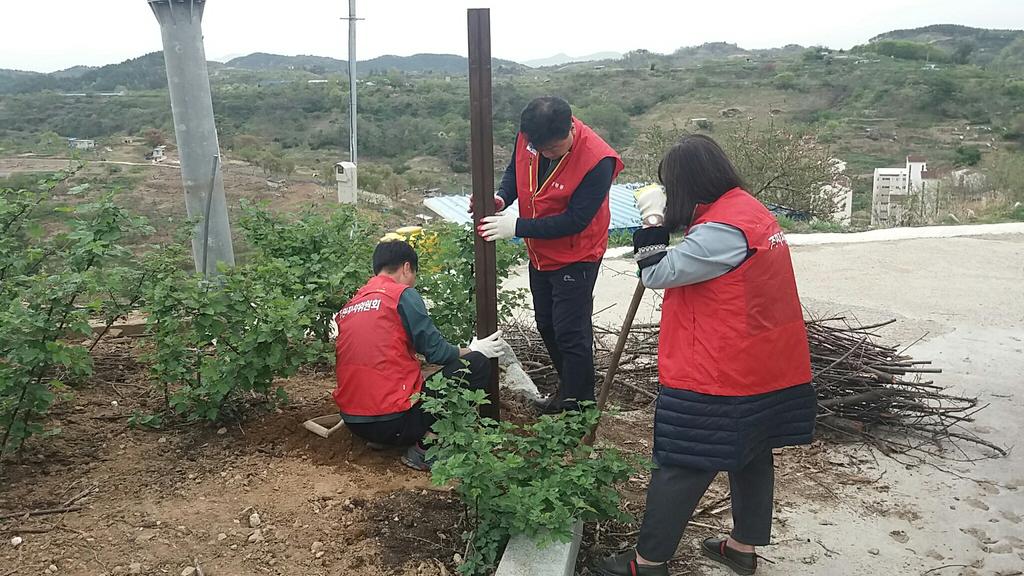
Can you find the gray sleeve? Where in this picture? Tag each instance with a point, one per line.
(707, 252)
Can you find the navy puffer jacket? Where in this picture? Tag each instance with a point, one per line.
(724, 432)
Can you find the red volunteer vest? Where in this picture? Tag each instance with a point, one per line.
(551, 197)
(376, 367)
(742, 333)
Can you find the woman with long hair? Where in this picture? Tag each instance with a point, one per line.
(733, 358)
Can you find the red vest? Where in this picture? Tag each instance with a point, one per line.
(551, 197)
(376, 367)
(742, 333)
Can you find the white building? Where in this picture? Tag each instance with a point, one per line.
(841, 192)
(894, 190)
(80, 144)
(158, 154)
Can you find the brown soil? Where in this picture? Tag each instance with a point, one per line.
(165, 500)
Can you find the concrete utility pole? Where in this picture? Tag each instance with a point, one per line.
(195, 130)
(353, 148)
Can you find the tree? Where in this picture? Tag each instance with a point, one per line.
(967, 156)
(154, 137)
(609, 120)
(962, 54)
(50, 142)
(393, 186)
(784, 81)
(785, 168)
(271, 163)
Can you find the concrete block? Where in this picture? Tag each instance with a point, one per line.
(524, 558)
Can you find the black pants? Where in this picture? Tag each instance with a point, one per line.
(674, 493)
(563, 304)
(414, 423)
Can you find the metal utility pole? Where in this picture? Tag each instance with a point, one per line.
(482, 148)
(195, 130)
(353, 148)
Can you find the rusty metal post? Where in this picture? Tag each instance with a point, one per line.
(482, 146)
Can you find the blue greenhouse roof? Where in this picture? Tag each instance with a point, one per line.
(625, 216)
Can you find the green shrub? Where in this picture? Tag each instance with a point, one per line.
(218, 345)
(324, 259)
(447, 279)
(531, 479)
(50, 285)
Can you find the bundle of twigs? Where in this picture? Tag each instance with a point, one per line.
(866, 389)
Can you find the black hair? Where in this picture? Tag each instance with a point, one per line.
(694, 171)
(545, 120)
(390, 256)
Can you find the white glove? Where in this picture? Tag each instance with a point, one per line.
(498, 227)
(651, 201)
(492, 346)
(499, 204)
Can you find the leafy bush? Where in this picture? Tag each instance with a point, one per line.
(905, 50)
(967, 156)
(532, 479)
(447, 279)
(217, 345)
(50, 285)
(325, 259)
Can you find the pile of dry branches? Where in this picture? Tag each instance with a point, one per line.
(866, 390)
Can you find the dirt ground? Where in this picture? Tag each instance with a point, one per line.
(156, 502)
(958, 302)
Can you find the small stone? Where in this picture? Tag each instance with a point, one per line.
(114, 404)
(222, 431)
(899, 536)
(135, 568)
(16, 541)
(316, 546)
(234, 546)
(1001, 548)
(52, 569)
(457, 558)
(188, 571)
(222, 537)
(254, 520)
(320, 554)
(256, 536)
(162, 440)
(873, 551)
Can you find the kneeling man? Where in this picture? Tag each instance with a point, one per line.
(379, 332)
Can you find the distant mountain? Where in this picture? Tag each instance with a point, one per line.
(264, 61)
(147, 72)
(422, 63)
(143, 73)
(73, 72)
(963, 43)
(562, 59)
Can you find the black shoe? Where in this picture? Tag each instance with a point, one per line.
(625, 564)
(744, 563)
(552, 406)
(548, 405)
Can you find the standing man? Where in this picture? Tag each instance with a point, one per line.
(561, 173)
(379, 332)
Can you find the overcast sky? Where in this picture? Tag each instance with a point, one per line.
(48, 35)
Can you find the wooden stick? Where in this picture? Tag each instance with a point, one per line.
(613, 363)
(42, 512)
